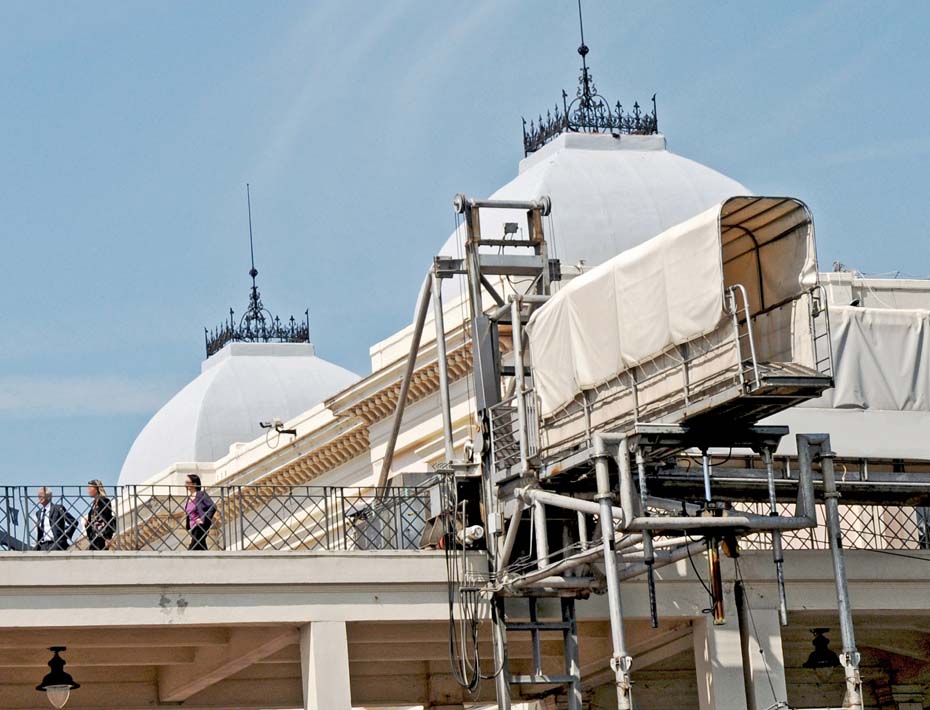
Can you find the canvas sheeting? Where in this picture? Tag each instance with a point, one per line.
(667, 291)
(880, 407)
(881, 359)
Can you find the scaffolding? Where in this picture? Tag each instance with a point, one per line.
(585, 469)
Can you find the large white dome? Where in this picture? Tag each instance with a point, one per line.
(241, 385)
(609, 193)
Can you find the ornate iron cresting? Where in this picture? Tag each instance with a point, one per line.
(257, 324)
(588, 112)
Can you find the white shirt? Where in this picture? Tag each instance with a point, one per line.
(48, 534)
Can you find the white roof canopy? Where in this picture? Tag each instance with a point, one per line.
(669, 290)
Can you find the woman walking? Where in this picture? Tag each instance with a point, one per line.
(199, 511)
(100, 524)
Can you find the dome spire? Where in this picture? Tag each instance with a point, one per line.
(257, 324)
(255, 313)
(582, 48)
(588, 112)
(253, 272)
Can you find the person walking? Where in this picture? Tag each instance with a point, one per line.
(100, 523)
(54, 524)
(199, 511)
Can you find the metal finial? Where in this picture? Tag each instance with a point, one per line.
(257, 324)
(583, 49)
(588, 111)
(253, 272)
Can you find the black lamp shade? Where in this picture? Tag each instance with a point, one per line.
(821, 656)
(57, 676)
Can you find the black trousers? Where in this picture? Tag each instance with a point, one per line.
(97, 543)
(199, 537)
(51, 545)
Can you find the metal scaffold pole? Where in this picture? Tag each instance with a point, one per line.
(648, 552)
(499, 645)
(439, 322)
(808, 444)
(777, 553)
(620, 661)
(536, 502)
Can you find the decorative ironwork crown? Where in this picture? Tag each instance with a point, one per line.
(257, 324)
(588, 112)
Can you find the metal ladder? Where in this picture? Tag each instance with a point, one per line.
(571, 677)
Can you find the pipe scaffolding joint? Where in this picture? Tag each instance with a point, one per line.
(621, 664)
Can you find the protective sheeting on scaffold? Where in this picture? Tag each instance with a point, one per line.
(880, 406)
(882, 359)
(658, 313)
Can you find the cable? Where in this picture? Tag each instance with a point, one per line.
(711, 462)
(755, 631)
(466, 331)
(458, 660)
(268, 440)
(872, 290)
(710, 594)
(895, 554)
(551, 230)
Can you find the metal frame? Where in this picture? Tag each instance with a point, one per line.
(638, 531)
(748, 385)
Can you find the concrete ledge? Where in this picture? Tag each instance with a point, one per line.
(204, 569)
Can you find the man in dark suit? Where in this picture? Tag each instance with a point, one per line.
(54, 524)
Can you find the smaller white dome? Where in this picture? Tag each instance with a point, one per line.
(241, 385)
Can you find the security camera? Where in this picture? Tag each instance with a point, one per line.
(278, 426)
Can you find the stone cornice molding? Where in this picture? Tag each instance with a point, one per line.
(389, 377)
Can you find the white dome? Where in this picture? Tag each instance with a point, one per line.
(608, 194)
(241, 385)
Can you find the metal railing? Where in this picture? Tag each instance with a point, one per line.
(248, 517)
(505, 434)
(748, 371)
(865, 527)
(635, 386)
(506, 430)
(820, 327)
(679, 379)
(259, 517)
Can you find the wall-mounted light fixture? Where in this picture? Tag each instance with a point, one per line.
(822, 660)
(57, 684)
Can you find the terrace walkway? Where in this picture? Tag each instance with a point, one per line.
(331, 629)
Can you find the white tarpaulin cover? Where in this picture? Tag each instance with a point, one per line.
(881, 359)
(660, 293)
(668, 291)
(880, 407)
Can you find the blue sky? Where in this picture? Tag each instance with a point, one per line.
(129, 131)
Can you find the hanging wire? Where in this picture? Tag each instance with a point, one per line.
(463, 602)
(550, 229)
(463, 634)
(710, 594)
(463, 306)
(755, 631)
(710, 461)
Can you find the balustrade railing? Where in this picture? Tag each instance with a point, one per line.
(247, 517)
(277, 517)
